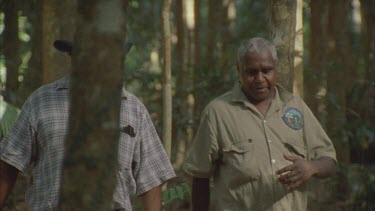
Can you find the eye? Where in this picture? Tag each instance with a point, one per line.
(251, 71)
(267, 70)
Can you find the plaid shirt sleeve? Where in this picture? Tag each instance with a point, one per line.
(16, 147)
(154, 167)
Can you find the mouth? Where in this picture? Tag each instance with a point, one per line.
(261, 89)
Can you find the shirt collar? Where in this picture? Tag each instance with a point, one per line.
(282, 96)
(65, 82)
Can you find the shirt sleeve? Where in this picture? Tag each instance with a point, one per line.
(16, 147)
(203, 153)
(318, 143)
(153, 166)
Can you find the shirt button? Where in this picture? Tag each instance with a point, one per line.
(269, 141)
(264, 121)
(273, 161)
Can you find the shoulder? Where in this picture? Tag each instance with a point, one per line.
(289, 99)
(219, 105)
(47, 92)
(130, 98)
(132, 105)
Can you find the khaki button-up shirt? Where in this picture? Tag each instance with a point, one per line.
(241, 150)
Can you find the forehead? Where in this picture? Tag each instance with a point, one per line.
(263, 57)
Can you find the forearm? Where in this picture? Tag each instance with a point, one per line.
(201, 194)
(8, 176)
(324, 167)
(151, 200)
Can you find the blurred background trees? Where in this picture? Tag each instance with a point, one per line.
(337, 57)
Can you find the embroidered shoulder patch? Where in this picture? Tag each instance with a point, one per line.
(293, 118)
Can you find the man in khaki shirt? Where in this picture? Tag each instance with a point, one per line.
(258, 142)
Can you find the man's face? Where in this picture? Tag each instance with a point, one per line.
(258, 76)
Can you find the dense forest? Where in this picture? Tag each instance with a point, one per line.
(326, 51)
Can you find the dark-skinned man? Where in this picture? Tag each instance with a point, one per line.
(35, 146)
(259, 143)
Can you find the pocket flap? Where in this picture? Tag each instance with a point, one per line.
(240, 146)
(295, 149)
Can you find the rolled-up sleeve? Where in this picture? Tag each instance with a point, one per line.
(203, 153)
(153, 167)
(318, 143)
(16, 147)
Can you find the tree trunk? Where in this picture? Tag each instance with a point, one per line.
(224, 25)
(337, 82)
(11, 53)
(209, 66)
(213, 6)
(167, 87)
(198, 66)
(53, 20)
(91, 148)
(283, 24)
(298, 52)
(368, 18)
(314, 75)
(184, 99)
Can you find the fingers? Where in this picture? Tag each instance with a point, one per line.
(290, 177)
(290, 167)
(292, 186)
(291, 158)
(292, 180)
(296, 174)
(285, 169)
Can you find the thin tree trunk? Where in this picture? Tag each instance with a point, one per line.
(211, 33)
(337, 82)
(226, 39)
(368, 18)
(298, 52)
(91, 147)
(314, 75)
(11, 53)
(283, 24)
(167, 87)
(184, 97)
(209, 66)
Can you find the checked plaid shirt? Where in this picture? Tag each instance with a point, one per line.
(35, 146)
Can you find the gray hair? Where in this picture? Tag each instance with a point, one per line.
(256, 44)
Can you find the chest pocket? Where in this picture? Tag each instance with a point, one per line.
(296, 147)
(239, 161)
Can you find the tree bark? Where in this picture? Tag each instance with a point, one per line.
(283, 24)
(298, 52)
(314, 75)
(91, 147)
(368, 18)
(53, 20)
(337, 82)
(167, 87)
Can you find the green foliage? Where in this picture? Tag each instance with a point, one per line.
(171, 195)
(179, 192)
(8, 115)
(361, 190)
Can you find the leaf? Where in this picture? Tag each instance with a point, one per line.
(8, 115)
(173, 194)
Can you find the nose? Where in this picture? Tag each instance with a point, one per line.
(259, 77)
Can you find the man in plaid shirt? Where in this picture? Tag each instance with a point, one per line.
(35, 146)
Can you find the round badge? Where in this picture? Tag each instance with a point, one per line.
(293, 118)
